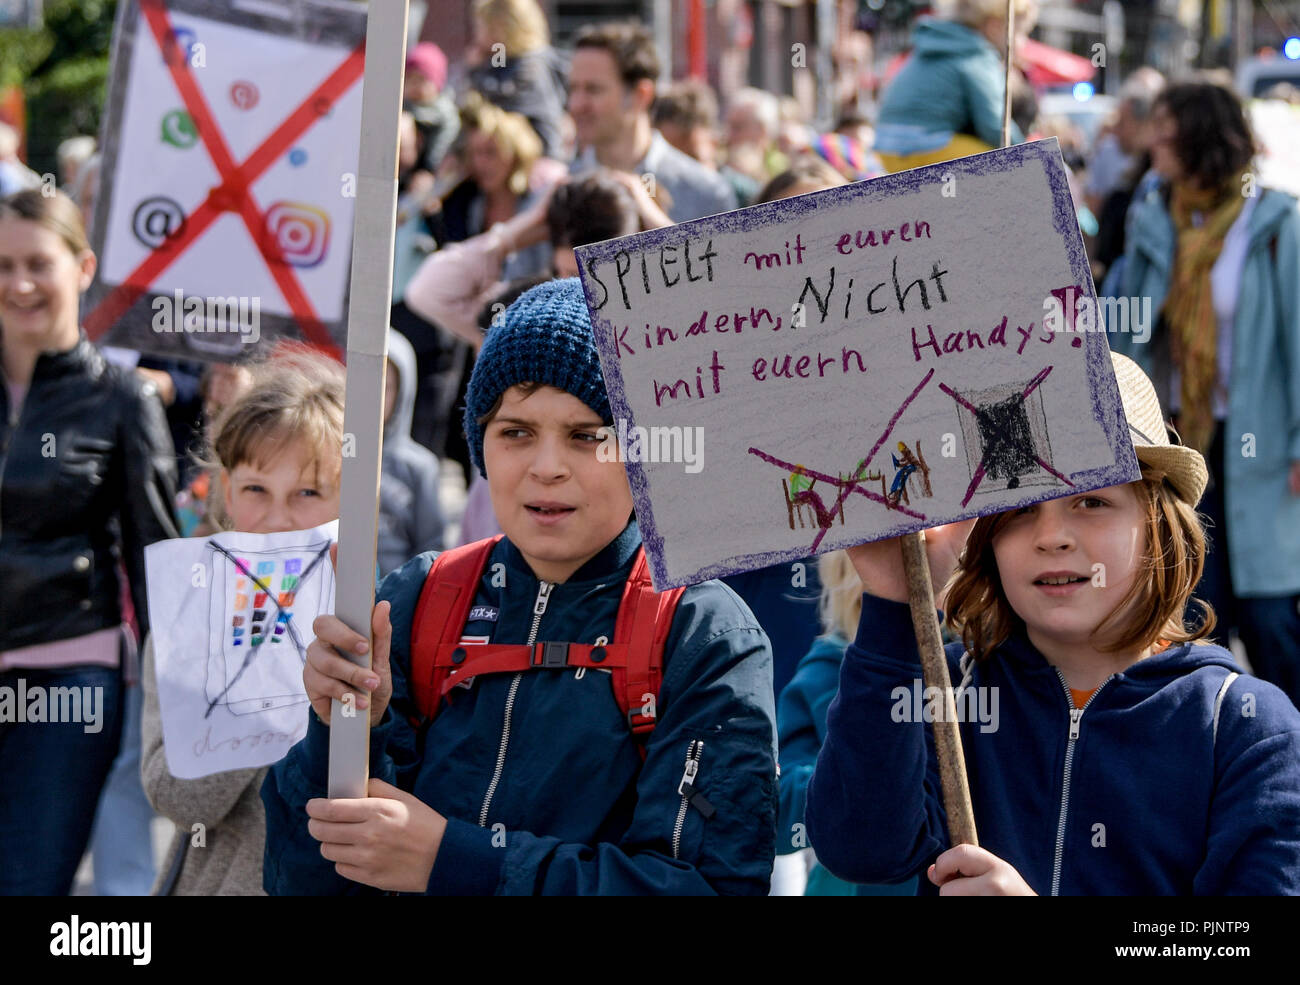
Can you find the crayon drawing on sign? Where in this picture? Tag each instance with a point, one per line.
(846, 485)
(911, 477)
(1008, 426)
(253, 598)
(232, 621)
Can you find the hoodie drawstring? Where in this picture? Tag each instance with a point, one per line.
(967, 668)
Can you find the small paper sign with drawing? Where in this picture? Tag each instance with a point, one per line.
(232, 617)
(857, 363)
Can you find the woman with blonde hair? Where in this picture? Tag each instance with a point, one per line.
(87, 479)
(498, 150)
(947, 99)
(518, 69)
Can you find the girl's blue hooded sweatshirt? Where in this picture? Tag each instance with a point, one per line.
(1139, 793)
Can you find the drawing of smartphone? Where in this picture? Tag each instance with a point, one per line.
(262, 604)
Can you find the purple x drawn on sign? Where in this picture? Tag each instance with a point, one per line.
(999, 443)
(850, 484)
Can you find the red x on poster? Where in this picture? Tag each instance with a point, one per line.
(229, 179)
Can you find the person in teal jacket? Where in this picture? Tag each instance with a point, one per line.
(947, 99)
(801, 722)
(531, 782)
(1253, 580)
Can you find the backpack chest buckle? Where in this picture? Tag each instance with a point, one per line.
(550, 655)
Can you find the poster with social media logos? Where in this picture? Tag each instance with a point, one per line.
(224, 216)
(232, 617)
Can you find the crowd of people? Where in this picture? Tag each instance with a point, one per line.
(523, 782)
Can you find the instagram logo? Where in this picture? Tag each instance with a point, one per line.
(299, 233)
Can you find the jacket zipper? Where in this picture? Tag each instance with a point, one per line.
(1076, 719)
(686, 788)
(539, 609)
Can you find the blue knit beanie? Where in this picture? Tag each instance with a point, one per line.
(544, 337)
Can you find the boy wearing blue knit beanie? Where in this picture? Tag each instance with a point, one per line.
(542, 722)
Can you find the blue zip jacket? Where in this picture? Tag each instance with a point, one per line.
(784, 599)
(542, 785)
(1145, 799)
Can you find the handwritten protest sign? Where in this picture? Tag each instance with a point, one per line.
(857, 363)
(228, 182)
(232, 619)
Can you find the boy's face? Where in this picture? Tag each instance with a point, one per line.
(1097, 538)
(282, 494)
(555, 500)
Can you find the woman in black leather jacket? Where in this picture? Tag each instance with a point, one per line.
(87, 479)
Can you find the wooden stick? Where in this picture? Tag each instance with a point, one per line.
(363, 415)
(934, 669)
(929, 639)
(1006, 99)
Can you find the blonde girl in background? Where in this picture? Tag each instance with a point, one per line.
(277, 456)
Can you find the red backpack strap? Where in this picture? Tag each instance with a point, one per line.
(645, 618)
(440, 617)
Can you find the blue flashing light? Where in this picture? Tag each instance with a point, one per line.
(1291, 48)
(1083, 91)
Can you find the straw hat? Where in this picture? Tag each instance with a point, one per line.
(1184, 467)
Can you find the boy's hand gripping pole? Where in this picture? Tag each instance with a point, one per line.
(934, 669)
(370, 299)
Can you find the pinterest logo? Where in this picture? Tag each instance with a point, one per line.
(299, 233)
(244, 94)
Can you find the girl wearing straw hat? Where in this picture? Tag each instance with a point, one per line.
(1125, 754)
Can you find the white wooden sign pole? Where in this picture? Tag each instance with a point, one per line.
(368, 316)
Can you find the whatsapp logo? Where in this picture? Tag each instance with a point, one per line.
(178, 129)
